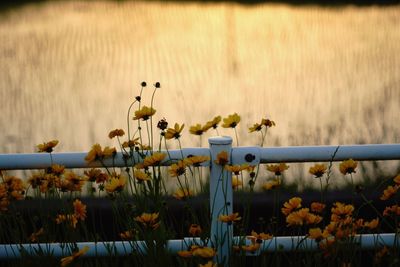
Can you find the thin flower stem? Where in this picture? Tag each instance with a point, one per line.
(237, 139)
(127, 118)
(151, 117)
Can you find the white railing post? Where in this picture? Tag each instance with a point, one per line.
(220, 199)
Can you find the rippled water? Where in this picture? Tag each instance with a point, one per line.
(69, 70)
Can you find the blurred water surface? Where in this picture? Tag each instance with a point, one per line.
(69, 70)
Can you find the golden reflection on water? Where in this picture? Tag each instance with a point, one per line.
(69, 70)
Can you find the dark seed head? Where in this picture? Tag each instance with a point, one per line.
(143, 84)
(157, 85)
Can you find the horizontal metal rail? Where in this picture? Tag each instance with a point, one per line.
(255, 155)
(123, 248)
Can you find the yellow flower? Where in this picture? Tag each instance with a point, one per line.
(185, 254)
(148, 220)
(317, 207)
(317, 234)
(341, 211)
(397, 179)
(94, 154)
(231, 121)
(261, 236)
(204, 252)
(47, 147)
(79, 210)
(293, 204)
(116, 132)
(278, 169)
(256, 127)
(318, 170)
(195, 230)
(174, 132)
(212, 124)
(178, 169)
(145, 113)
(74, 181)
(95, 174)
(183, 194)
(230, 218)
(393, 210)
(236, 182)
(301, 217)
(141, 176)
(196, 129)
(222, 158)
(116, 183)
(109, 152)
(389, 192)
(275, 183)
(348, 166)
(372, 224)
(71, 218)
(208, 264)
(197, 160)
(154, 159)
(67, 260)
(35, 236)
(236, 169)
(131, 143)
(267, 123)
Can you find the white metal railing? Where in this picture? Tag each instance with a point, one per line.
(221, 197)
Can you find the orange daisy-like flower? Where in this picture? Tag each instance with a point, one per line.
(127, 235)
(348, 166)
(318, 170)
(230, 218)
(35, 236)
(178, 169)
(222, 158)
(57, 170)
(293, 204)
(389, 192)
(144, 113)
(183, 193)
(154, 160)
(116, 183)
(317, 207)
(79, 210)
(67, 260)
(71, 218)
(174, 132)
(185, 254)
(109, 152)
(236, 169)
(231, 121)
(197, 160)
(261, 236)
(148, 220)
(94, 154)
(278, 169)
(397, 179)
(196, 129)
(256, 128)
(204, 252)
(195, 230)
(141, 176)
(116, 132)
(267, 123)
(341, 211)
(212, 124)
(372, 224)
(131, 143)
(301, 217)
(393, 210)
(315, 233)
(47, 147)
(96, 175)
(275, 183)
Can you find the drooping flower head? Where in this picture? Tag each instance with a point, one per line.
(116, 132)
(212, 124)
(196, 129)
(255, 128)
(267, 123)
(230, 218)
(182, 194)
(174, 132)
(236, 169)
(231, 121)
(272, 184)
(291, 205)
(67, 260)
(197, 160)
(222, 158)
(148, 220)
(389, 192)
(144, 113)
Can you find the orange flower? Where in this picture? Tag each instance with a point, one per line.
(213, 123)
(236, 169)
(230, 218)
(183, 194)
(278, 169)
(317, 207)
(197, 160)
(275, 183)
(231, 121)
(222, 158)
(389, 192)
(94, 154)
(340, 211)
(261, 236)
(204, 252)
(60, 218)
(196, 129)
(154, 159)
(293, 204)
(195, 230)
(372, 224)
(144, 113)
(67, 260)
(397, 179)
(47, 147)
(131, 143)
(116, 183)
(109, 152)
(348, 166)
(141, 176)
(318, 170)
(256, 127)
(79, 210)
(116, 132)
(315, 233)
(185, 254)
(148, 220)
(178, 169)
(127, 235)
(393, 210)
(174, 132)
